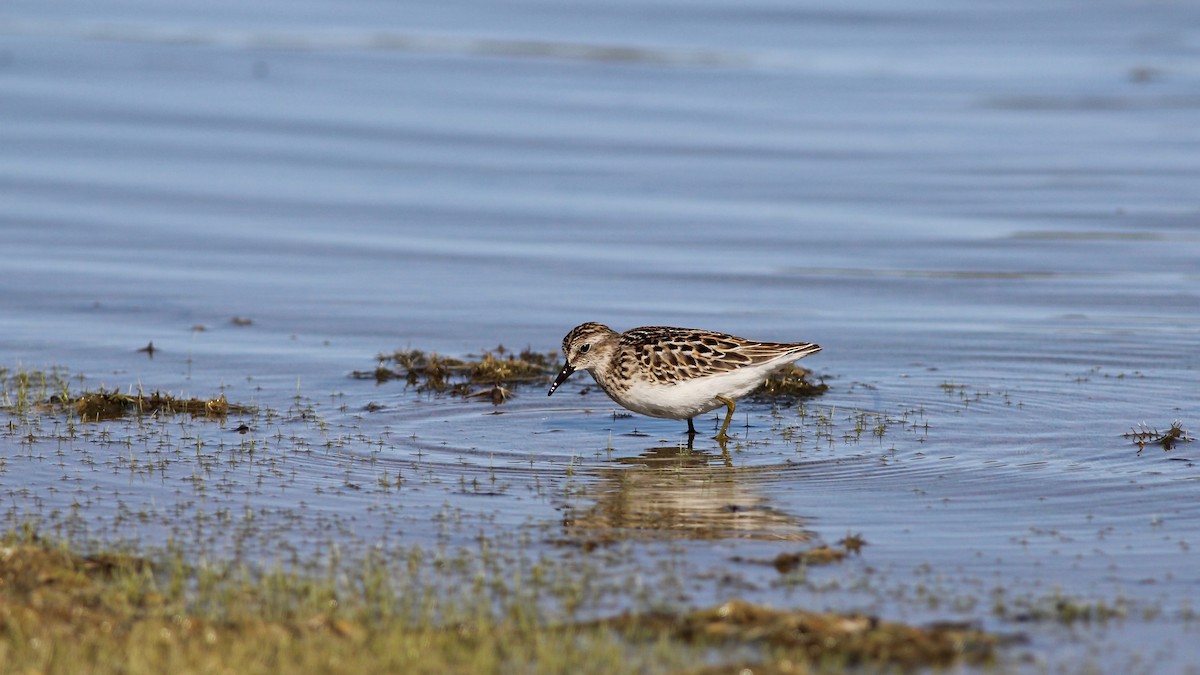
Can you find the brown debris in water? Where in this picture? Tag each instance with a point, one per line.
(496, 394)
(818, 555)
(819, 637)
(821, 555)
(790, 382)
(496, 370)
(1144, 435)
(111, 405)
(853, 543)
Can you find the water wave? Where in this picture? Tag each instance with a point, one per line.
(390, 41)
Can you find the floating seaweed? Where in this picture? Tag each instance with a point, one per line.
(491, 376)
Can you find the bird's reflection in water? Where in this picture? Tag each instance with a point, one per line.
(678, 492)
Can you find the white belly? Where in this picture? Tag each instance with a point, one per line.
(687, 398)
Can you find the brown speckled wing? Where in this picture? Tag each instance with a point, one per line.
(671, 354)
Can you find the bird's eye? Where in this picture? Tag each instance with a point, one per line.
(584, 349)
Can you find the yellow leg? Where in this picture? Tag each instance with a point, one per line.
(728, 416)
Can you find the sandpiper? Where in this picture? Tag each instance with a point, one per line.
(675, 373)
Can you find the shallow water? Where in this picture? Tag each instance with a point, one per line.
(986, 215)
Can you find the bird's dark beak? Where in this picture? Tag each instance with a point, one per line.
(562, 377)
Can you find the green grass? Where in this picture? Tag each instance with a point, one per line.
(21, 389)
(113, 611)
